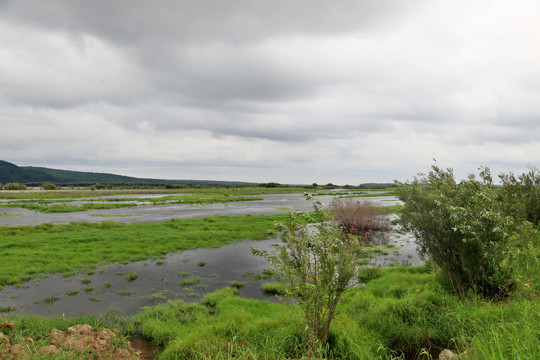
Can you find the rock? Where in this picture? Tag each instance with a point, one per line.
(448, 355)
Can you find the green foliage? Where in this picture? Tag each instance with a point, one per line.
(131, 276)
(520, 196)
(460, 227)
(522, 260)
(274, 288)
(14, 186)
(315, 264)
(50, 186)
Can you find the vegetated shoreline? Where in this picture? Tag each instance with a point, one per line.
(401, 311)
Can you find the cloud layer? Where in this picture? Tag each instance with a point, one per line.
(294, 92)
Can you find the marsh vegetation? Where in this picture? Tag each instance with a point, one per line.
(480, 300)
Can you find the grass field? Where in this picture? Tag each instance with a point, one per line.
(35, 251)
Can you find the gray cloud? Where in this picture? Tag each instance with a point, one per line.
(315, 90)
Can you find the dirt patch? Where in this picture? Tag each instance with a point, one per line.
(77, 342)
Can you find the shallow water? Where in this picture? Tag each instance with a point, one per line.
(161, 279)
(271, 204)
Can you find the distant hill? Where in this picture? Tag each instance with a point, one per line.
(30, 175)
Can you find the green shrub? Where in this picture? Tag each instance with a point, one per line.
(315, 265)
(520, 196)
(49, 186)
(459, 226)
(14, 186)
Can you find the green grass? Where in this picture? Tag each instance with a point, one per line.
(74, 194)
(273, 288)
(131, 276)
(401, 314)
(237, 284)
(194, 280)
(35, 251)
(72, 292)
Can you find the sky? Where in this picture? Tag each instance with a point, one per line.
(288, 91)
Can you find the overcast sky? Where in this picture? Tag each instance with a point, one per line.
(293, 91)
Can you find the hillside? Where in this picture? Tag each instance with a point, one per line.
(30, 175)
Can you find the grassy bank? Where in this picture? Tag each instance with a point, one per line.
(73, 194)
(64, 206)
(35, 251)
(402, 314)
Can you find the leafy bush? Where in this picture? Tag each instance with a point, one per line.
(49, 186)
(523, 259)
(459, 226)
(315, 264)
(520, 196)
(357, 217)
(14, 186)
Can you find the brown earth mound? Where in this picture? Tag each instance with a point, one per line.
(77, 342)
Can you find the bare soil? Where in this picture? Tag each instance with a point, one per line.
(77, 342)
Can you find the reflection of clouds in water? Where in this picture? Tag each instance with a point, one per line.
(161, 279)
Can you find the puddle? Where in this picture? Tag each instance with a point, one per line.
(144, 346)
(189, 275)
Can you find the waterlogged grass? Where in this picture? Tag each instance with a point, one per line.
(404, 313)
(75, 194)
(194, 280)
(56, 206)
(273, 288)
(36, 251)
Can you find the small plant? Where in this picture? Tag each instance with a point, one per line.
(274, 288)
(191, 281)
(160, 262)
(237, 284)
(202, 263)
(93, 299)
(131, 276)
(5, 309)
(315, 264)
(124, 293)
(85, 281)
(72, 292)
(183, 273)
(107, 285)
(88, 289)
(154, 297)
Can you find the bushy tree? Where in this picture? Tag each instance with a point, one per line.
(49, 186)
(316, 264)
(460, 226)
(14, 186)
(520, 196)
